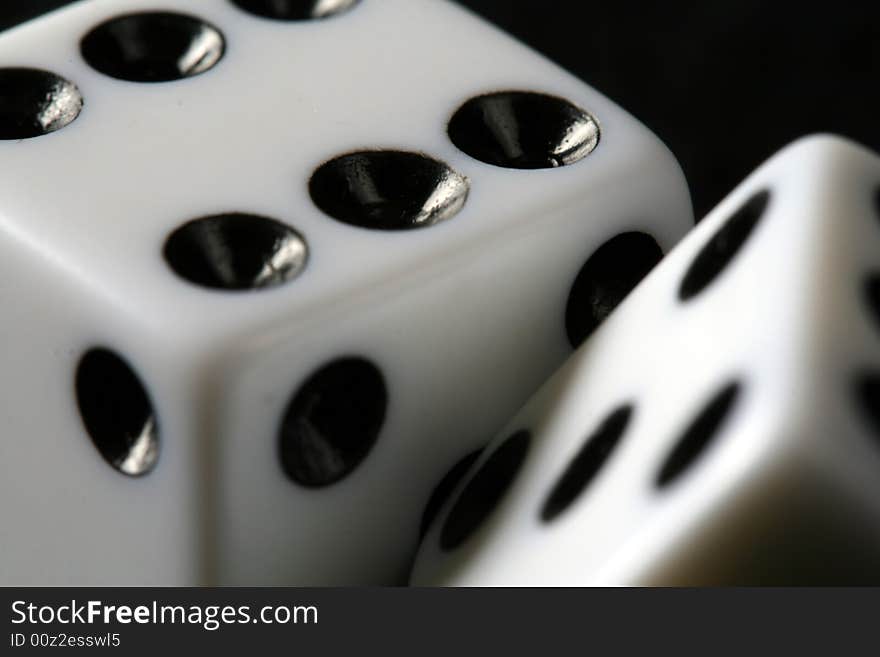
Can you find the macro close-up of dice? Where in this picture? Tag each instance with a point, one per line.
(422, 293)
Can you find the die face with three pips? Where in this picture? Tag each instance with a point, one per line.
(276, 266)
(721, 427)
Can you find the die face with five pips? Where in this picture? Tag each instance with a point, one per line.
(721, 427)
(276, 266)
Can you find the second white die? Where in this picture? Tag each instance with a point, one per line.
(723, 427)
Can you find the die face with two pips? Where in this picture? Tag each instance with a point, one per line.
(720, 427)
(286, 263)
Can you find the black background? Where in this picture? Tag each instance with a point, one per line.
(724, 83)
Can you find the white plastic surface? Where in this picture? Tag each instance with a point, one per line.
(792, 471)
(465, 318)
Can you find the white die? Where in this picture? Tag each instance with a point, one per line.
(435, 327)
(723, 426)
